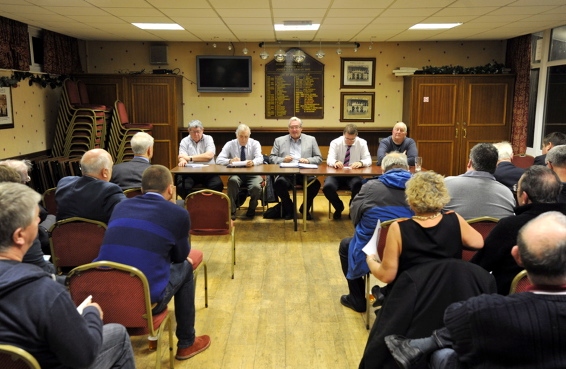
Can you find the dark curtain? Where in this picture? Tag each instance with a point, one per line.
(14, 45)
(518, 58)
(60, 54)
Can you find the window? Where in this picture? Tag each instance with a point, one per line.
(36, 49)
(558, 44)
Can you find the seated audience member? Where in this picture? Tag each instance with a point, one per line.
(128, 174)
(34, 255)
(548, 142)
(537, 193)
(381, 198)
(37, 314)
(91, 196)
(243, 148)
(506, 172)
(197, 148)
(150, 233)
(296, 147)
(430, 234)
(522, 330)
(346, 151)
(556, 160)
(476, 193)
(399, 142)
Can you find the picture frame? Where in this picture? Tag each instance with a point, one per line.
(357, 73)
(357, 106)
(6, 111)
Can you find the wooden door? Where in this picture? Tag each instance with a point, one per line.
(487, 103)
(433, 120)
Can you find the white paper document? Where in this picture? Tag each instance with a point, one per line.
(242, 163)
(371, 247)
(196, 165)
(83, 304)
(298, 165)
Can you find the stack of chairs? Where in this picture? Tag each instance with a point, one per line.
(121, 131)
(81, 126)
(46, 172)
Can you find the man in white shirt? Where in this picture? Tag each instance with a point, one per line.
(197, 148)
(347, 151)
(243, 148)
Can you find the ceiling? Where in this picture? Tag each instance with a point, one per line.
(252, 20)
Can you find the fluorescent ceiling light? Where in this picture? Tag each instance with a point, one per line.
(435, 25)
(297, 26)
(162, 26)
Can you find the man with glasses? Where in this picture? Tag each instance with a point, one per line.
(295, 147)
(398, 141)
(556, 160)
(348, 151)
(197, 148)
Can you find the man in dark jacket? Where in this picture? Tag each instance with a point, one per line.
(36, 313)
(506, 172)
(129, 174)
(537, 193)
(383, 199)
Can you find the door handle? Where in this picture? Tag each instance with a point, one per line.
(465, 132)
(457, 124)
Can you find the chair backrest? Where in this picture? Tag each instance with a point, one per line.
(383, 236)
(83, 92)
(483, 225)
(523, 160)
(210, 212)
(48, 200)
(72, 90)
(122, 291)
(121, 112)
(75, 241)
(13, 357)
(133, 192)
(520, 283)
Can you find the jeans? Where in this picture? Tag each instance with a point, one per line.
(356, 286)
(181, 285)
(116, 351)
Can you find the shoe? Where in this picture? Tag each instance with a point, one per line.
(338, 211)
(405, 355)
(250, 214)
(201, 343)
(345, 300)
(234, 216)
(309, 215)
(379, 297)
(288, 216)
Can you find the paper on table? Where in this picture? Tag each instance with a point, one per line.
(308, 166)
(83, 304)
(242, 163)
(371, 247)
(289, 165)
(196, 165)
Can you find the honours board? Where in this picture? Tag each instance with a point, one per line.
(294, 89)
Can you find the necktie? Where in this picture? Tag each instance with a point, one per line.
(243, 153)
(347, 156)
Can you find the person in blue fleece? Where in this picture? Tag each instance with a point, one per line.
(381, 198)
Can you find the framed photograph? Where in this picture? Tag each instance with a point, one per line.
(6, 113)
(357, 73)
(357, 107)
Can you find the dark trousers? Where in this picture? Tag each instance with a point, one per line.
(332, 184)
(356, 286)
(185, 183)
(283, 184)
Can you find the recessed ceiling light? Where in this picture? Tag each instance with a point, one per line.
(296, 26)
(435, 25)
(160, 26)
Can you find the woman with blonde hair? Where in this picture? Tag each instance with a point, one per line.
(430, 234)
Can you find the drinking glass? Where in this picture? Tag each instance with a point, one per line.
(418, 163)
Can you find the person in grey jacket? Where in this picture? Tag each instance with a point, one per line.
(295, 147)
(128, 174)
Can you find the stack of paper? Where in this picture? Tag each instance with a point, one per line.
(298, 165)
(237, 164)
(191, 165)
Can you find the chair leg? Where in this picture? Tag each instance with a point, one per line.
(368, 303)
(171, 354)
(205, 285)
(233, 252)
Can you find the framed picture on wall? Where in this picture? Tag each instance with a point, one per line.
(357, 107)
(6, 113)
(357, 73)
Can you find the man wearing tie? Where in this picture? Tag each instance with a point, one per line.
(243, 148)
(347, 151)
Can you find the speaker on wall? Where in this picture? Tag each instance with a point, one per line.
(158, 54)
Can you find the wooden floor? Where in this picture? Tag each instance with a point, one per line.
(282, 310)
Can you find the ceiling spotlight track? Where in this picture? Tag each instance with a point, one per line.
(291, 44)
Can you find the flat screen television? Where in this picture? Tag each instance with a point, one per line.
(224, 73)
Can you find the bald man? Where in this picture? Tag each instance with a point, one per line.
(399, 142)
(91, 196)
